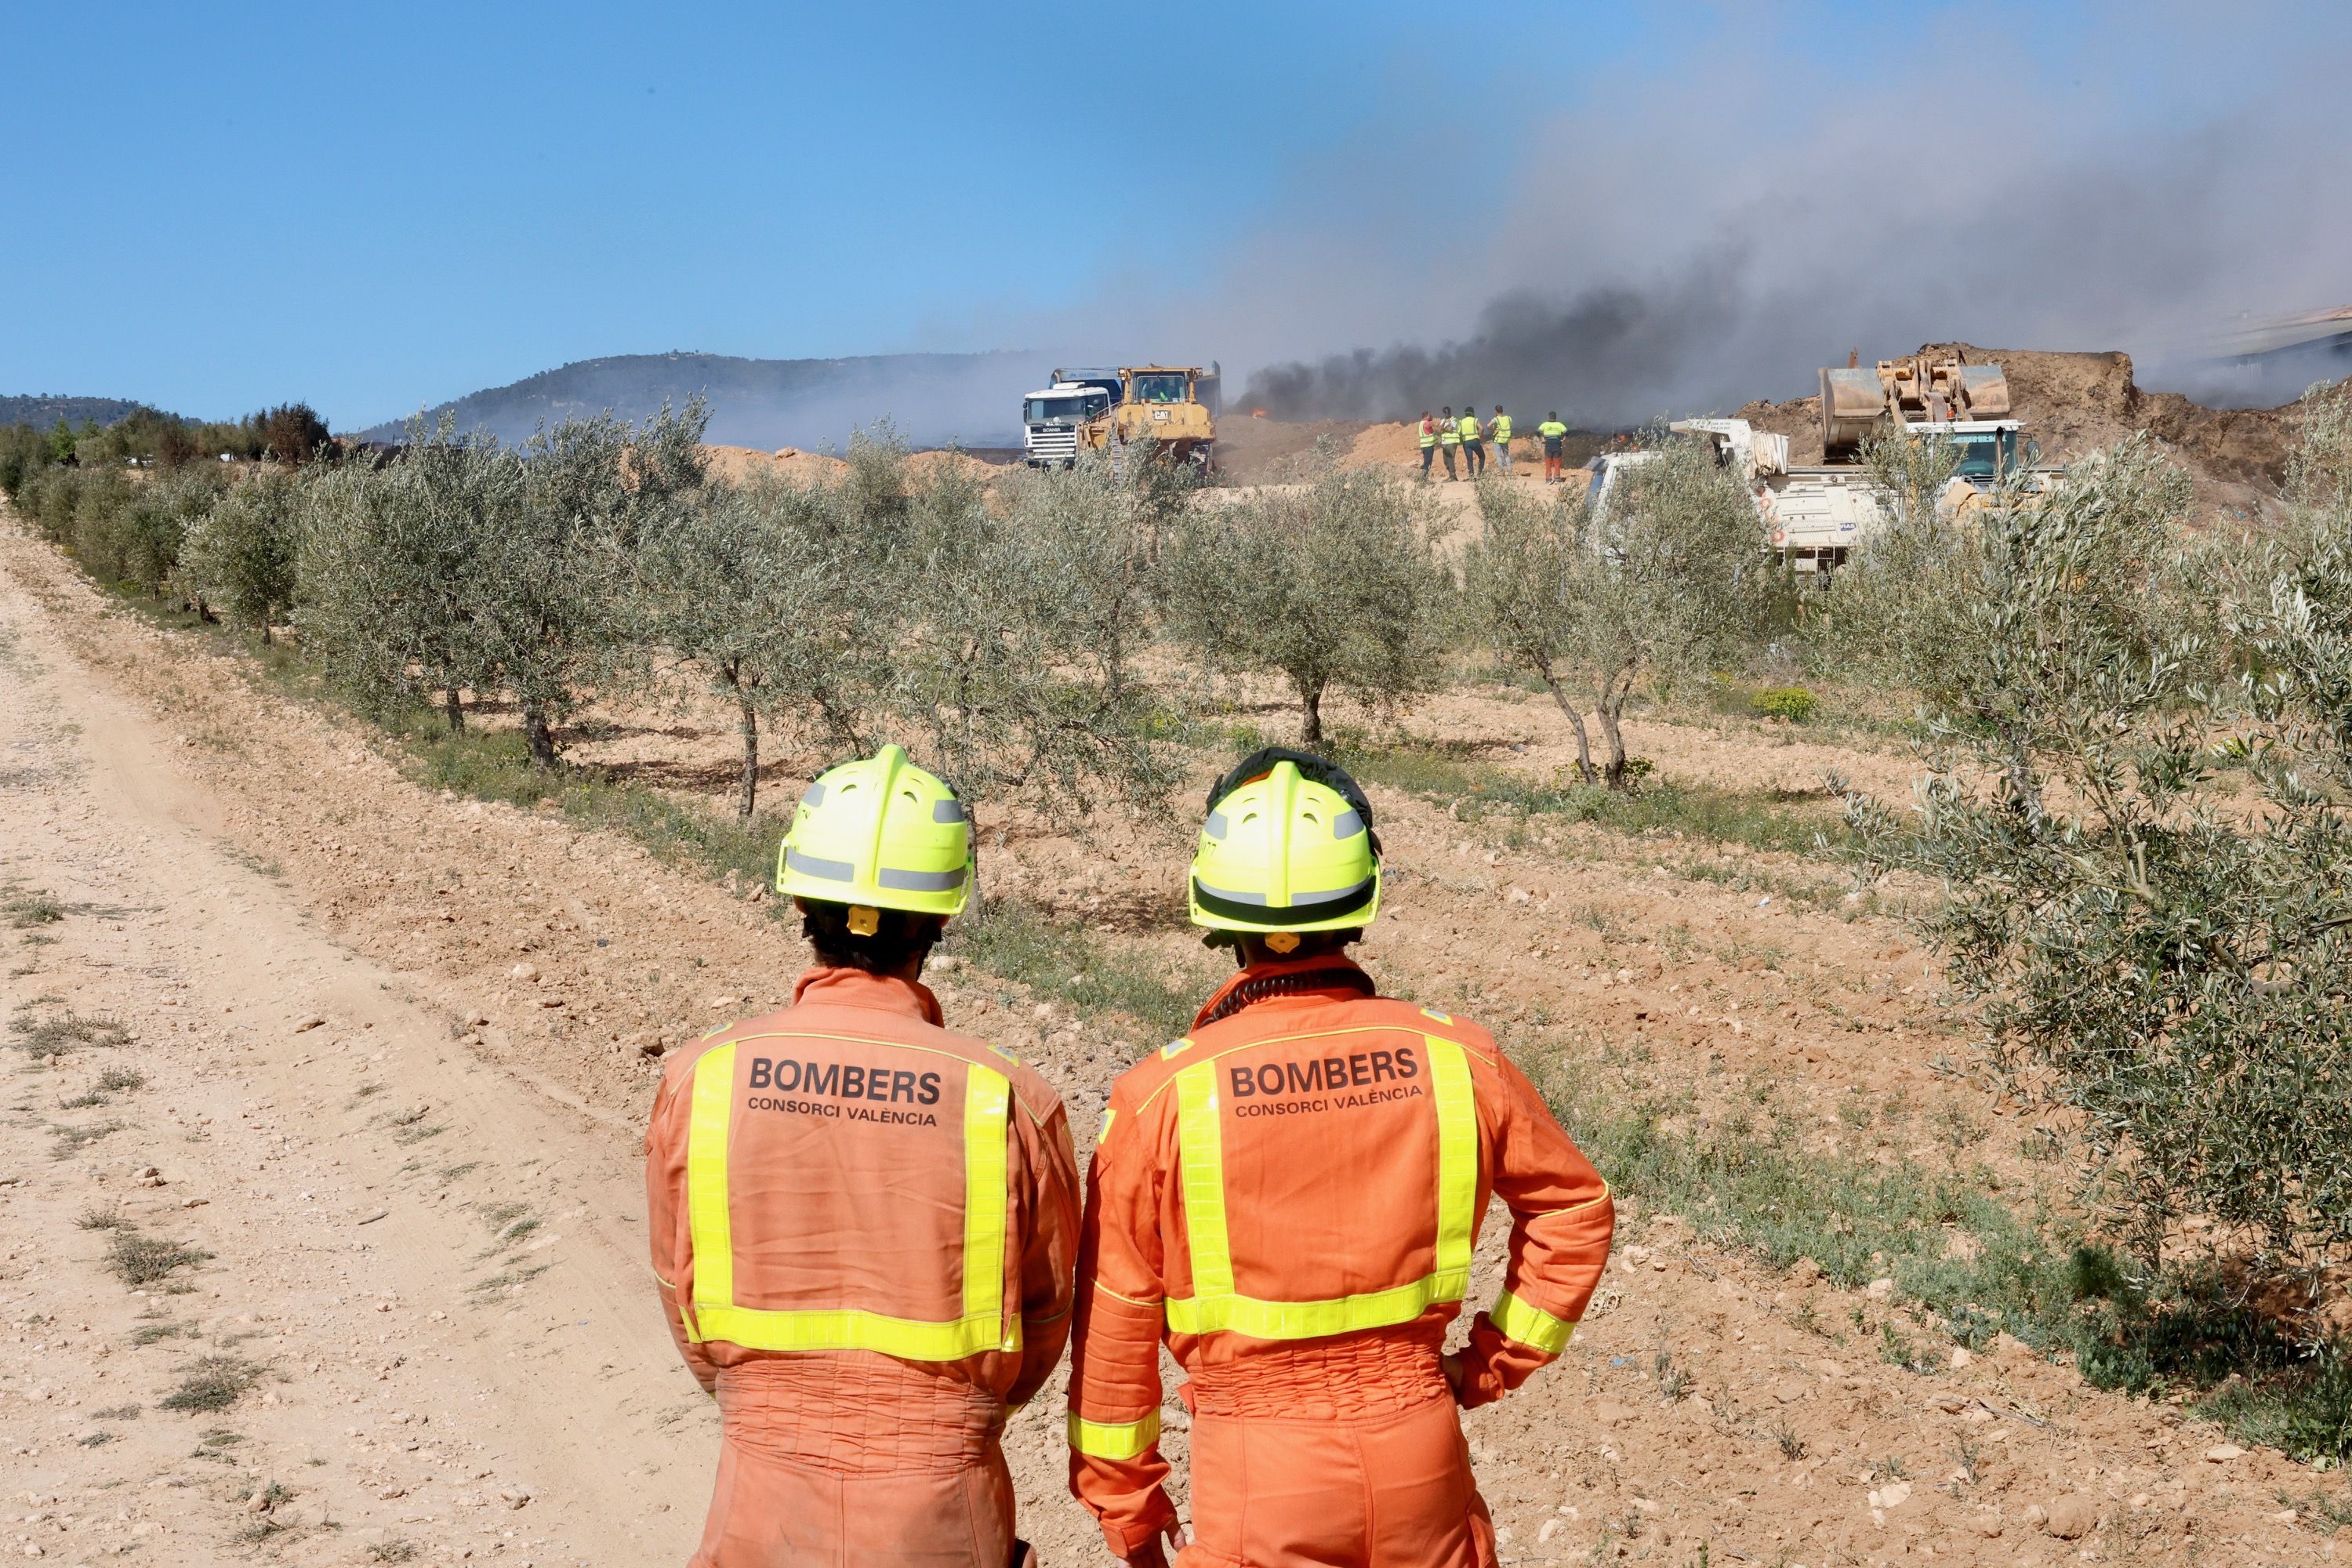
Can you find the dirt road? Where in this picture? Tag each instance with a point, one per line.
(432, 1271)
(389, 1053)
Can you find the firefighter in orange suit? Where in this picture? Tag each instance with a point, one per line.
(864, 1225)
(1290, 1196)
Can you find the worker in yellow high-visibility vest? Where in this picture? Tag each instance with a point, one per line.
(1449, 439)
(1499, 428)
(1474, 448)
(864, 1225)
(1427, 432)
(1552, 432)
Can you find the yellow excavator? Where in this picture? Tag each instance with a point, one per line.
(1933, 386)
(1175, 406)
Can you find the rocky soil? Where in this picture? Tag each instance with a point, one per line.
(324, 1094)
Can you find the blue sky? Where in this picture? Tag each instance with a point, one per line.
(376, 207)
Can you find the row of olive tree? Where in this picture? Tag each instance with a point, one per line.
(1002, 624)
(997, 636)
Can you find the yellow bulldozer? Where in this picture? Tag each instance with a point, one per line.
(1174, 406)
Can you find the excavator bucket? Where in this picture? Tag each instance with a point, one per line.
(1852, 401)
(1984, 391)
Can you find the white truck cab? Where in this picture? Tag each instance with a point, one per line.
(1052, 418)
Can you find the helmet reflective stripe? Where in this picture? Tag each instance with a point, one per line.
(714, 1313)
(1215, 1306)
(919, 881)
(880, 832)
(810, 866)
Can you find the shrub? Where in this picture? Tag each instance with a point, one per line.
(139, 1259)
(211, 1383)
(1793, 703)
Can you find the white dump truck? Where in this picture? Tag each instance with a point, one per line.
(1815, 514)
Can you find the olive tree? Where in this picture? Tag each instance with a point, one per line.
(548, 609)
(756, 588)
(1517, 581)
(1654, 589)
(2144, 872)
(1328, 584)
(393, 560)
(1009, 629)
(240, 554)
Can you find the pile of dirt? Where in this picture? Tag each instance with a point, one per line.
(1260, 449)
(2073, 404)
(740, 463)
(816, 467)
(1254, 450)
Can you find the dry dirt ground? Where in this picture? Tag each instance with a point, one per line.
(390, 1059)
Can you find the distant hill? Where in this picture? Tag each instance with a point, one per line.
(43, 410)
(971, 400)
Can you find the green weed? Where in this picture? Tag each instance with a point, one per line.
(1745, 1180)
(1793, 703)
(67, 1141)
(29, 909)
(1069, 965)
(1784, 821)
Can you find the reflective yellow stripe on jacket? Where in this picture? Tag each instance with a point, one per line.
(1114, 1439)
(1214, 1305)
(714, 1315)
(1531, 1325)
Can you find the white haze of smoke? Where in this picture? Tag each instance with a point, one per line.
(1718, 229)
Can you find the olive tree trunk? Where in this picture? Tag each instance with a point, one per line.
(750, 756)
(538, 733)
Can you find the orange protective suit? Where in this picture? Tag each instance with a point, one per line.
(864, 1228)
(1290, 1194)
